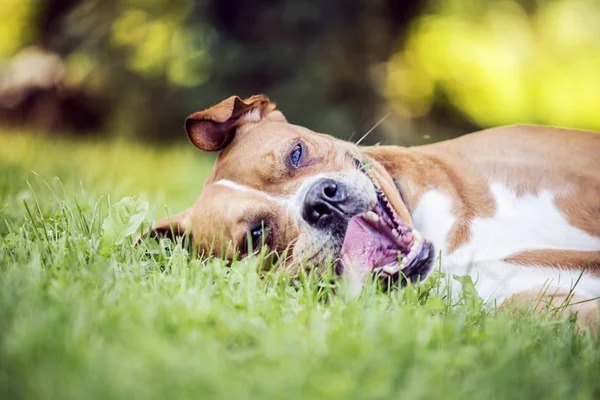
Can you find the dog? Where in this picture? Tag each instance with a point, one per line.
(517, 208)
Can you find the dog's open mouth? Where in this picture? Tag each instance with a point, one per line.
(379, 241)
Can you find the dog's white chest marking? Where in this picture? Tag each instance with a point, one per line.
(520, 223)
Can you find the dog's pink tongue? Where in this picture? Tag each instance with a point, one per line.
(359, 249)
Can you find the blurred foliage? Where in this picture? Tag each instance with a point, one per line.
(14, 18)
(162, 45)
(139, 67)
(500, 63)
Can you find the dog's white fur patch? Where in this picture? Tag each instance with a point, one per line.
(520, 223)
(292, 203)
(234, 185)
(247, 189)
(433, 218)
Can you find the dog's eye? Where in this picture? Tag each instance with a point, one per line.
(296, 155)
(257, 237)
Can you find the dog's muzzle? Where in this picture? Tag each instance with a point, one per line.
(365, 235)
(326, 203)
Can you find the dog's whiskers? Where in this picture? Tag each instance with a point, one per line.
(373, 128)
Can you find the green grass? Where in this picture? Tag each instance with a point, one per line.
(80, 319)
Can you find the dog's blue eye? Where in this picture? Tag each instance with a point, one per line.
(296, 155)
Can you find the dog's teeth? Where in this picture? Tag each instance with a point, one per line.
(412, 253)
(417, 236)
(390, 269)
(414, 250)
(371, 216)
(395, 233)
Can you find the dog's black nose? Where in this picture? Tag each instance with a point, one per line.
(323, 201)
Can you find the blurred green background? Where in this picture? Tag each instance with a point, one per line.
(137, 68)
(93, 94)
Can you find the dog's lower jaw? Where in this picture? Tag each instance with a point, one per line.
(380, 242)
(418, 271)
(420, 268)
(354, 277)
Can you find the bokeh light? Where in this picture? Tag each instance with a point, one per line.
(501, 64)
(129, 68)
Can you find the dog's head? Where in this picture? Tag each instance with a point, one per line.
(311, 196)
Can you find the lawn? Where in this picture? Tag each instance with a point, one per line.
(85, 315)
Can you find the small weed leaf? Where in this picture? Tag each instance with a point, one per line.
(469, 293)
(124, 219)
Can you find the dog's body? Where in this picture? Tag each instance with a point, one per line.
(517, 208)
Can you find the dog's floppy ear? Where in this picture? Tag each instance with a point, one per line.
(172, 226)
(213, 129)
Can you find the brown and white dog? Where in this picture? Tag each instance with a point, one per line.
(517, 208)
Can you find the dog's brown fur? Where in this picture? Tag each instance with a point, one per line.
(256, 140)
